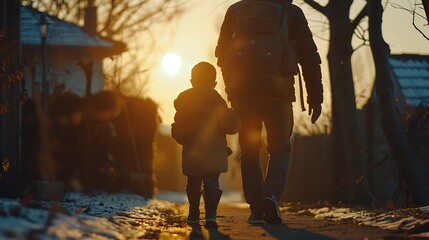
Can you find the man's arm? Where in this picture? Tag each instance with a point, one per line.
(308, 58)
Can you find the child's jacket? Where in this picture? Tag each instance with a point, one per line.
(200, 124)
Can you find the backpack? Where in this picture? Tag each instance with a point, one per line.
(260, 47)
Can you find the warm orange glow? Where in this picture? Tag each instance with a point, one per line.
(171, 63)
(194, 39)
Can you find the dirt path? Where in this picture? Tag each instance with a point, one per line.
(232, 224)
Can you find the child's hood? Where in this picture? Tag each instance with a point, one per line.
(195, 100)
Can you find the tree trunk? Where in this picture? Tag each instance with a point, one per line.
(412, 172)
(426, 7)
(348, 145)
(10, 87)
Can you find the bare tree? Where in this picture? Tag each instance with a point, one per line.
(129, 21)
(413, 172)
(426, 8)
(348, 141)
(133, 22)
(420, 12)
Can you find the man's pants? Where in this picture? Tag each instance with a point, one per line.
(277, 116)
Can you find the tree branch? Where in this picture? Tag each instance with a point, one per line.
(363, 13)
(418, 29)
(364, 43)
(122, 20)
(316, 6)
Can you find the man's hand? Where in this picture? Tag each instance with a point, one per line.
(314, 111)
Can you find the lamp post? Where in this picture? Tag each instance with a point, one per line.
(43, 24)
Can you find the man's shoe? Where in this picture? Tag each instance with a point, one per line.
(272, 212)
(256, 219)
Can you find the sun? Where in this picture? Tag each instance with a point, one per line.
(171, 63)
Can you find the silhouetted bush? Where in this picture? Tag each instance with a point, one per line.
(101, 142)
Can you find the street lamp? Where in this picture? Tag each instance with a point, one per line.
(43, 24)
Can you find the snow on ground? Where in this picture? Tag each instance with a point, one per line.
(129, 216)
(413, 220)
(97, 216)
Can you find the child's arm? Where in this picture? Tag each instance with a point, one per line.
(179, 128)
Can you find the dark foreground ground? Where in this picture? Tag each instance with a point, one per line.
(126, 216)
(232, 224)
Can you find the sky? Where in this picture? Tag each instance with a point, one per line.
(194, 40)
(195, 35)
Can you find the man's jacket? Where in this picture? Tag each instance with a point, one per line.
(308, 56)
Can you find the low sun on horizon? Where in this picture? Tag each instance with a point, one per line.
(171, 63)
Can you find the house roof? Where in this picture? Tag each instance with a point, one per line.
(61, 33)
(412, 73)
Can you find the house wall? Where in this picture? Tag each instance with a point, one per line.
(63, 70)
(383, 178)
(310, 176)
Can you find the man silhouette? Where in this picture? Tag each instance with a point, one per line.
(258, 103)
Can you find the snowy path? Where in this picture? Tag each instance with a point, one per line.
(80, 216)
(128, 216)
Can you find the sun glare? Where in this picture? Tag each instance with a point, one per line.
(171, 63)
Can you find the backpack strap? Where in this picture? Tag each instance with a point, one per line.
(301, 94)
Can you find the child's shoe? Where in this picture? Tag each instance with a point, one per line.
(211, 223)
(194, 207)
(194, 215)
(193, 220)
(211, 200)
